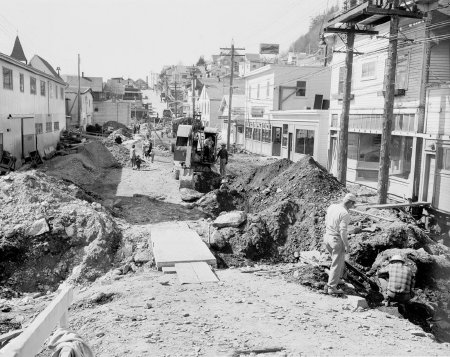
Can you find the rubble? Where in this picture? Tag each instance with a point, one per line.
(46, 232)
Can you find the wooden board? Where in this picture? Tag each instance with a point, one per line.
(175, 244)
(195, 273)
(394, 205)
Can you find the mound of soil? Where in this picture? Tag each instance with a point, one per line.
(46, 231)
(125, 131)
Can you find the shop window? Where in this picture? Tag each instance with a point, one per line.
(401, 153)
(444, 158)
(32, 85)
(240, 129)
(304, 142)
(369, 147)
(248, 133)
(301, 89)
(266, 135)
(285, 135)
(353, 143)
(48, 127)
(257, 134)
(7, 78)
(38, 128)
(56, 126)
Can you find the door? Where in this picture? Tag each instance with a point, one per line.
(276, 141)
(430, 167)
(289, 146)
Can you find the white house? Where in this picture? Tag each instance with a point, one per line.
(286, 111)
(32, 111)
(86, 107)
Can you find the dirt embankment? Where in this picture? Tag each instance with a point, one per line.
(286, 205)
(49, 227)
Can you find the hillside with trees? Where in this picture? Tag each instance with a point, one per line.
(309, 42)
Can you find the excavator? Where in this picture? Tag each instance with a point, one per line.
(194, 157)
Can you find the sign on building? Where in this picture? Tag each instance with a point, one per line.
(269, 49)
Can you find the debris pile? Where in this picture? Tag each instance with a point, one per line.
(120, 152)
(48, 234)
(114, 126)
(84, 168)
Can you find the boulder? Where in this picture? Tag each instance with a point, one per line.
(230, 219)
(38, 227)
(188, 194)
(143, 256)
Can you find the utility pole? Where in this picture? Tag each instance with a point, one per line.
(343, 125)
(176, 98)
(231, 91)
(193, 97)
(79, 93)
(383, 174)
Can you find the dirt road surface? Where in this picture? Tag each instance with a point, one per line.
(151, 314)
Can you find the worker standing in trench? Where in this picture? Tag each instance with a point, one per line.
(336, 241)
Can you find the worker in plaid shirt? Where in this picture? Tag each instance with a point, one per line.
(401, 281)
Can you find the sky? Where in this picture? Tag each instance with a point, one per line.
(133, 38)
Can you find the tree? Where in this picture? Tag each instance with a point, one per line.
(201, 61)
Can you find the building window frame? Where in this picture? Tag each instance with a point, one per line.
(8, 78)
(38, 128)
(304, 141)
(48, 127)
(444, 158)
(369, 70)
(22, 82)
(56, 126)
(33, 84)
(300, 90)
(42, 86)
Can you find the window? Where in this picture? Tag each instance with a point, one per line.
(285, 128)
(444, 158)
(301, 89)
(22, 84)
(7, 78)
(48, 127)
(342, 72)
(401, 72)
(43, 88)
(353, 144)
(248, 133)
(401, 154)
(32, 85)
(368, 70)
(61, 92)
(38, 128)
(50, 90)
(257, 91)
(285, 135)
(304, 142)
(268, 90)
(266, 135)
(56, 126)
(56, 91)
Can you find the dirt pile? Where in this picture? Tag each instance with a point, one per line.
(84, 168)
(48, 234)
(115, 126)
(120, 152)
(286, 204)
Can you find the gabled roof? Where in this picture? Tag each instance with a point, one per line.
(83, 90)
(96, 83)
(46, 67)
(17, 52)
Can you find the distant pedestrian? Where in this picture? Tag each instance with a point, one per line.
(133, 156)
(223, 157)
(336, 242)
(150, 152)
(397, 281)
(138, 162)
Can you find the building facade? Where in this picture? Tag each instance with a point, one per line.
(86, 107)
(286, 111)
(32, 110)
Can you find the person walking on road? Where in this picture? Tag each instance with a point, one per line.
(397, 281)
(335, 240)
(150, 151)
(133, 156)
(223, 156)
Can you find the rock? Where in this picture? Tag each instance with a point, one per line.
(230, 219)
(70, 230)
(357, 302)
(38, 227)
(419, 333)
(143, 256)
(189, 195)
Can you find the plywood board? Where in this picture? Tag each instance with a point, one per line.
(195, 273)
(177, 244)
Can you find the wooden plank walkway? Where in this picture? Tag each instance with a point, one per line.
(179, 244)
(195, 273)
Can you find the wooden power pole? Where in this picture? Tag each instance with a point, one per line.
(230, 98)
(383, 174)
(176, 98)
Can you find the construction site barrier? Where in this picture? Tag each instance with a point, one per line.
(30, 342)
